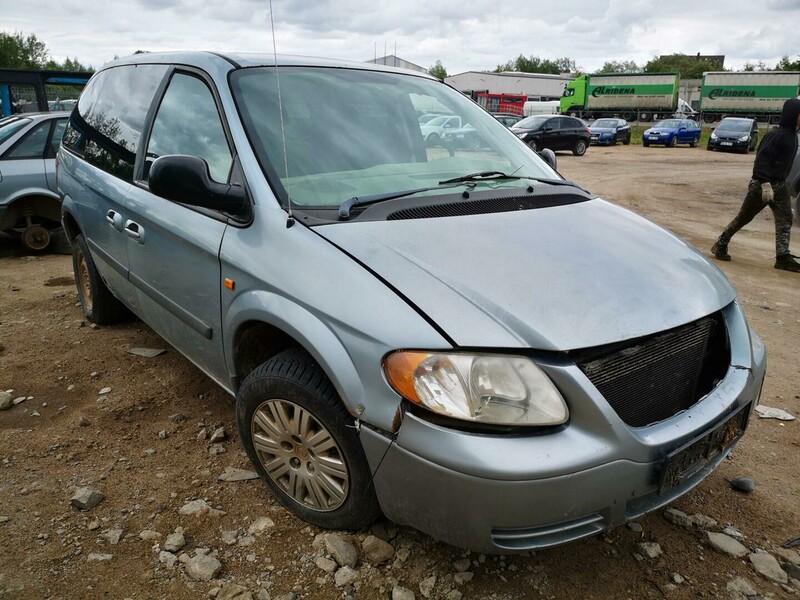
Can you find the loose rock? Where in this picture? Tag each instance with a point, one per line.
(789, 556)
(635, 527)
(83, 422)
(146, 352)
(199, 508)
(702, 521)
(234, 474)
(461, 565)
(203, 567)
(174, 542)
(113, 536)
(229, 537)
(376, 550)
(233, 591)
(462, 578)
(454, 595)
(219, 435)
(726, 544)
(650, 549)
(740, 589)
(6, 401)
(167, 558)
(260, 525)
(426, 586)
(342, 551)
(743, 484)
(767, 412)
(216, 449)
(176, 418)
(149, 535)
(86, 498)
(767, 566)
(345, 576)
(401, 593)
(326, 564)
(677, 517)
(97, 556)
(105, 390)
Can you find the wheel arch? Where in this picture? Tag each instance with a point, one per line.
(37, 203)
(68, 219)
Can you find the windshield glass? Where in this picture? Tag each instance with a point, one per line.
(669, 124)
(731, 125)
(351, 133)
(612, 123)
(532, 122)
(9, 127)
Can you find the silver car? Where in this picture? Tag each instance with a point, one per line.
(458, 338)
(30, 207)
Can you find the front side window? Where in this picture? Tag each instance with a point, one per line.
(188, 122)
(349, 133)
(32, 145)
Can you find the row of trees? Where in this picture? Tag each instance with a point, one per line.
(19, 51)
(690, 67)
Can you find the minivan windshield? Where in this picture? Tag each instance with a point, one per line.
(734, 125)
(351, 133)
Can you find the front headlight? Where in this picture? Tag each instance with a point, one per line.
(744, 138)
(713, 135)
(492, 389)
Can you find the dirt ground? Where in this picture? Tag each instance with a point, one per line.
(148, 465)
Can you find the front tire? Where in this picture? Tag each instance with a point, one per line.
(532, 145)
(673, 141)
(303, 443)
(98, 303)
(580, 148)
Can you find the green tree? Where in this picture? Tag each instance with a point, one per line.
(690, 67)
(622, 66)
(756, 66)
(438, 70)
(534, 64)
(18, 51)
(788, 65)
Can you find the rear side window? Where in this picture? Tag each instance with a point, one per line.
(11, 126)
(188, 122)
(111, 115)
(32, 145)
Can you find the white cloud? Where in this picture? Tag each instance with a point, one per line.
(463, 34)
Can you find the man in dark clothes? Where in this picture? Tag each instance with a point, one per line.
(768, 187)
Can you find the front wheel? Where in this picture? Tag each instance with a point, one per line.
(532, 145)
(580, 148)
(98, 303)
(645, 144)
(433, 140)
(672, 141)
(303, 443)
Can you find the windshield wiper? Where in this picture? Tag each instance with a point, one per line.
(344, 207)
(481, 175)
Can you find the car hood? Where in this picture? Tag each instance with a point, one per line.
(561, 278)
(602, 129)
(730, 133)
(661, 130)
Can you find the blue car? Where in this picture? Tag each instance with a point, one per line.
(610, 131)
(670, 132)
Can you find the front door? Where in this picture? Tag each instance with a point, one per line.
(173, 249)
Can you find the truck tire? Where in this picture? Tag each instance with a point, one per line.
(645, 117)
(709, 118)
(304, 444)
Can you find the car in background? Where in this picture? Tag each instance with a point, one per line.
(734, 133)
(508, 120)
(554, 132)
(434, 130)
(30, 208)
(671, 132)
(610, 131)
(424, 118)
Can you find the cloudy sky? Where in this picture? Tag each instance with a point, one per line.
(463, 34)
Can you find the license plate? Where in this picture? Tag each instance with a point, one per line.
(594, 137)
(727, 143)
(653, 137)
(684, 462)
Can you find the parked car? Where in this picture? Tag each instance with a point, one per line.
(554, 132)
(434, 130)
(508, 120)
(30, 207)
(610, 131)
(734, 133)
(466, 343)
(670, 132)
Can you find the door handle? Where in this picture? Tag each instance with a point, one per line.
(114, 219)
(135, 231)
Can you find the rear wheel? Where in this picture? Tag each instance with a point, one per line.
(580, 148)
(695, 141)
(433, 140)
(303, 443)
(98, 303)
(35, 237)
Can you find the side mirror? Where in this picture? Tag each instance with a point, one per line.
(682, 129)
(548, 129)
(186, 179)
(549, 157)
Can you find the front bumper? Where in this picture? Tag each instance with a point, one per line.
(502, 494)
(723, 144)
(657, 139)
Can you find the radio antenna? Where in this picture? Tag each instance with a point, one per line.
(290, 220)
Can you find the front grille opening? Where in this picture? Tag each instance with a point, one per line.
(654, 378)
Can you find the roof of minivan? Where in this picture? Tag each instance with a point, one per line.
(203, 59)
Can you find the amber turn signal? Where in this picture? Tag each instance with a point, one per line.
(400, 368)
(229, 283)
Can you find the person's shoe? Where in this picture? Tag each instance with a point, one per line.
(786, 262)
(720, 251)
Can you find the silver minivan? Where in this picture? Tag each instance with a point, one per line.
(456, 337)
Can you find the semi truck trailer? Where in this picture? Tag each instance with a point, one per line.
(758, 94)
(630, 96)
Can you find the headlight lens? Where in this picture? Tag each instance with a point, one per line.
(713, 135)
(492, 389)
(744, 138)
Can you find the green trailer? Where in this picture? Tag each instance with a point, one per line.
(630, 96)
(758, 94)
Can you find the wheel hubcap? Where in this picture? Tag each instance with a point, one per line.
(300, 455)
(83, 281)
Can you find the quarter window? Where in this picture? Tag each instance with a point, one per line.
(188, 123)
(32, 145)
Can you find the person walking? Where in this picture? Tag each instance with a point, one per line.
(768, 187)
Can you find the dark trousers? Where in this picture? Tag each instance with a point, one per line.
(752, 205)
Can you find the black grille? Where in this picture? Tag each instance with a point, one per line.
(652, 379)
(486, 205)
